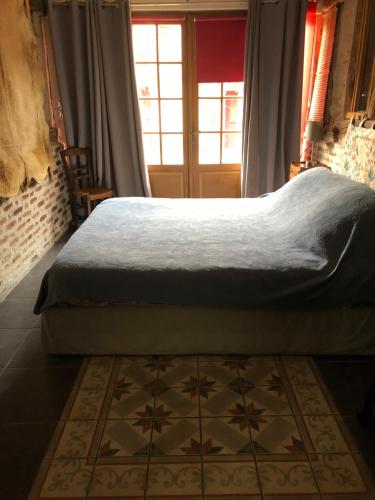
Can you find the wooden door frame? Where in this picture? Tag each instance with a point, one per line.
(191, 170)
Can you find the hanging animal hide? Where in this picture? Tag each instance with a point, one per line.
(24, 136)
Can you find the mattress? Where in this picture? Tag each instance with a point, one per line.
(311, 244)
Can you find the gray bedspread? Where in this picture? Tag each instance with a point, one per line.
(311, 243)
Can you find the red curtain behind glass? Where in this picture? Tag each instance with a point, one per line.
(320, 61)
(308, 64)
(220, 49)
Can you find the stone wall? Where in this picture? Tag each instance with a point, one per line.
(31, 223)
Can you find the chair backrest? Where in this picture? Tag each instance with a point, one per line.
(77, 164)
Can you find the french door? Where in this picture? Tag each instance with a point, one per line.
(191, 129)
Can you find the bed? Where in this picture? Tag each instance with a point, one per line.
(292, 272)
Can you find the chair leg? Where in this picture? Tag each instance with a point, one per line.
(73, 208)
(87, 205)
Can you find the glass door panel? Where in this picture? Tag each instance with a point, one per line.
(170, 78)
(222, 115)
(209, 149)
(144, 52)
(209, 115)
(159, 84)
(147, 81)
(149, 115)
(169, 42)
(231, 148)
(151, 146)
(172, 149)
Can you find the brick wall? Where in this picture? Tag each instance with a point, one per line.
(31, 223)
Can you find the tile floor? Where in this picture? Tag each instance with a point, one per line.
(34, 388)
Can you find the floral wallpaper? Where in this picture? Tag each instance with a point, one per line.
(358, 155)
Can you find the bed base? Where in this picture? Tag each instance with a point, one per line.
(152, 329)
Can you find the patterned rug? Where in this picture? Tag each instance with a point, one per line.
(195, 427)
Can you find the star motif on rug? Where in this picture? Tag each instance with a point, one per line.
(297, 446)
(249, 415)
(276, 385)
(159, 363)
(121, 388)
(234, 363)
(195, 387)
(196, 449)
(106, 450)
(153, 416)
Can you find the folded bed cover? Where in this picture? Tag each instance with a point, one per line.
(309, 244)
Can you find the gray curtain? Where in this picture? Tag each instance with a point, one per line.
(95, 69)
(273, 93)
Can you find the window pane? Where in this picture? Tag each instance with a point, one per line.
(209, 114)
(151, 146)
(144, 42)
(150, 115)
(170, 80)
(233, 89)
(171, 116)
(232, 148)
(209, 148)
(209, 89)
(169, 42)
(147, 82)
(232, 114)
(173, 149)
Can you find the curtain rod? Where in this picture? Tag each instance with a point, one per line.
(65, 3)
(176, 5)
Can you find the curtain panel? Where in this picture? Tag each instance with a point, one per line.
(95, 68)
(273, 92)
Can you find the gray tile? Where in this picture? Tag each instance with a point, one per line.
(365, 438)
(28, 288)
(25, 439)
(17, 313)
(9, 342)
(347, 379)
(43, 265)
(370, 461)
(35, 394)
(32, 354)
(17, 477)
(343, 358)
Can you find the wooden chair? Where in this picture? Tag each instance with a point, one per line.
(77, 164)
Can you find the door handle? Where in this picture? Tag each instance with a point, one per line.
(193, 134)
